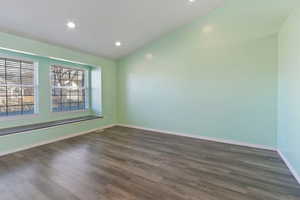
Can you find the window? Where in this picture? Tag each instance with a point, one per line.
(17, 93)
(68, 89)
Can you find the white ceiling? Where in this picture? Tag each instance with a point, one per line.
(100, 22)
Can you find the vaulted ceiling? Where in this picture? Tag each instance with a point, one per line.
(100, 23)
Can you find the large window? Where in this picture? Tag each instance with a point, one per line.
(16, 87)
(68, 89)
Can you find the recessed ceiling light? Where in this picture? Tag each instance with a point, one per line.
(118, 43)
(149, 56)
(71, 25)
(192, 1)
(207, 29)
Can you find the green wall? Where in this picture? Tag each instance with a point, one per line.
(42, 51)
(289, 93)
(220, 83)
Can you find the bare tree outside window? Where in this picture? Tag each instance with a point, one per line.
(68, 89)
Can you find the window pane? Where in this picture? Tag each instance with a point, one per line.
(65, 92)
(65, 74)
(28, 109)
(73, 99)
(28, 100)
(81, 92)
(14, 101)
(2, 70)
(27, 80)
(81, 98)
(65, 99)
(56, 108)
(74, 84)
(2, 111)
(73, 92)
(2, 80)
(79, 83)
(27, 65)
(13, 80)
(56, 91)
(73, 74)
(56, 82)
(12, 71)
(12, 63)
(56, 100)
(2, 101)
(14, 110)
(3, 91)
(65, 107)
(28, 91)
(81, 105)
(14, 91)
(2, 61)
(74, 106)
(80, 75)
(27, 72)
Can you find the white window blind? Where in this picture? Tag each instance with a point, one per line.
(17, 90)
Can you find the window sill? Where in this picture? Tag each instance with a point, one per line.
(31, 127)
(70, 112)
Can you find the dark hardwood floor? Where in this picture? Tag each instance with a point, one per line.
(130, 164)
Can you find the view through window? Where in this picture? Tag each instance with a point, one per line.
(68, 89)
(16, 87)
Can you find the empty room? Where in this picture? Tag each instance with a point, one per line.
(150, 100)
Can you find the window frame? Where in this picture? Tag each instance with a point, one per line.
(35, 86)
(86, 87)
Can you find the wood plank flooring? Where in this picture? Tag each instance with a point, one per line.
(129, 164)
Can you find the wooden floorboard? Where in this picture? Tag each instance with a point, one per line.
(130, 164)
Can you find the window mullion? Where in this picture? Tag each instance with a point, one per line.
(83, 94)
(6, 98)
(21, 87)
(70, 91)
(77, 92)
(60, 98)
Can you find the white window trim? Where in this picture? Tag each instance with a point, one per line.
(35, 85)
(87, 88)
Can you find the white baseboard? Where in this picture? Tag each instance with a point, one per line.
(55, 140)
(202, 137)
(288, 164)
